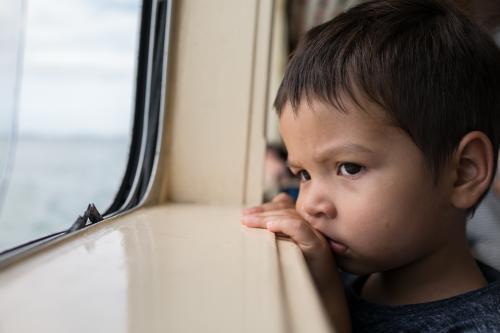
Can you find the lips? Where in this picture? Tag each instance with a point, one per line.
(336, 247)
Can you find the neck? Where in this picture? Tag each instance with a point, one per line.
(446, 272)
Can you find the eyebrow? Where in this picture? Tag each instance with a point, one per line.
(326, 153)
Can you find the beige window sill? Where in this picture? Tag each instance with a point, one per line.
(175, 268)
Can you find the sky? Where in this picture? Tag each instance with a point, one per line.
(78, 74)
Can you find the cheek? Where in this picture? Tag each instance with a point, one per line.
(389, 226)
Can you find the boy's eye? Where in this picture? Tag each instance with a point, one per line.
(303, 175)
(349, 169)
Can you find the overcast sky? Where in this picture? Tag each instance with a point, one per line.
(79, 67)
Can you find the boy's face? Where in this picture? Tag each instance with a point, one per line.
(365, 187)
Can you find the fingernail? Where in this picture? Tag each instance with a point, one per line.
(249, 218)
(251, 210)
(269, 224)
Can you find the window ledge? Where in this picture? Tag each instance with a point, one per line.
(175, 268)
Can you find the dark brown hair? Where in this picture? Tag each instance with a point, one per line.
(434, 72)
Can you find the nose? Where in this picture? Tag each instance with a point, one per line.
(315, 203)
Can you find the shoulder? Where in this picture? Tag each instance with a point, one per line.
(475, 311)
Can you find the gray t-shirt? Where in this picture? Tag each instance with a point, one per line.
(475, 311)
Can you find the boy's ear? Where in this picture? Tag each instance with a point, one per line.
(474, 169)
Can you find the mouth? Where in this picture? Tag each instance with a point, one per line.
(336, 247)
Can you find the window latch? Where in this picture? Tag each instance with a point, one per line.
(91, 215)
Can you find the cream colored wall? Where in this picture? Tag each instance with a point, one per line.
(216, 103)
(279, 57)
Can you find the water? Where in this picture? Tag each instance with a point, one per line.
(54, 179)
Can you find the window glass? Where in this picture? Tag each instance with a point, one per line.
(75, 112)
(11, 13)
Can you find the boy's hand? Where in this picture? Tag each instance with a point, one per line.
(280, 216)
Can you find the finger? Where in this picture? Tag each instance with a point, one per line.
(283, 212)
(281, 201)
(254, 221)
(283, 197)
(259, 220)
(300, 231)
(252, 210)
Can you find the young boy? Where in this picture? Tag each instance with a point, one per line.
(389, 114)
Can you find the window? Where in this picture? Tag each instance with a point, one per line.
(75, 114)
(10, 39)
